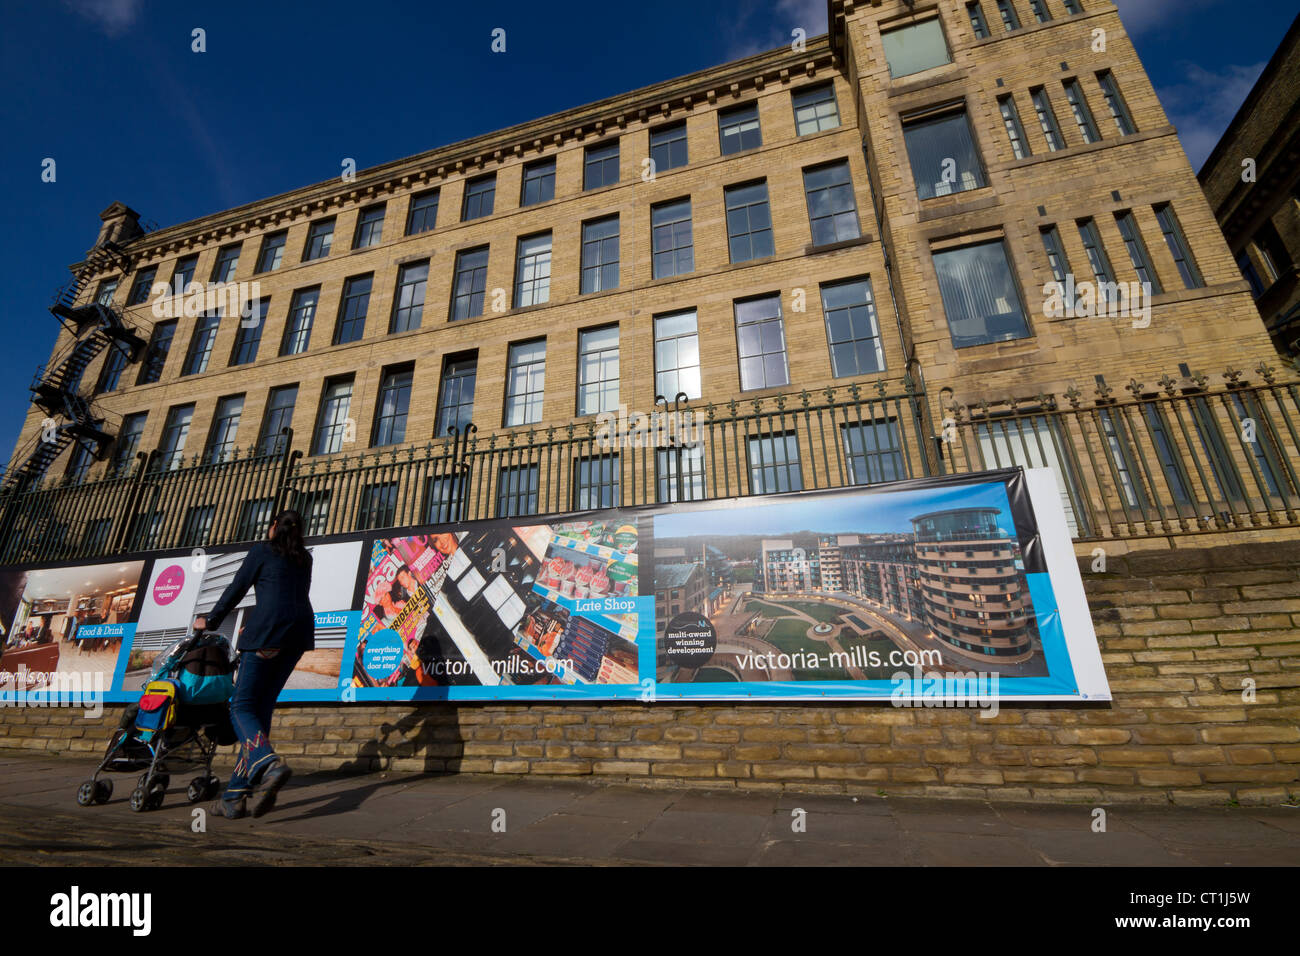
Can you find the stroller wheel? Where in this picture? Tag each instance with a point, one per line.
(87, 794)
(138, 800)
(103, 791)
(197, 790)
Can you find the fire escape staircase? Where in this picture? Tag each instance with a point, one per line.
(56, 388)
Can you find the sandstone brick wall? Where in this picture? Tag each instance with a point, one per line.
(1180, 632)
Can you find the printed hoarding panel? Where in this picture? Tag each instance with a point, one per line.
(962, 586)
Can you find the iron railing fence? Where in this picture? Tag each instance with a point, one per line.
(1186, 458)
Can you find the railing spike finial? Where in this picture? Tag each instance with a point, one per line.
(804, 398)
(855, 391)
(881, 388)
(1200, 380)
(758, 406)
(1169, 384)
(829, 393)
(1103, 390)
(780, 402)
(1045, 401)
(909, 383)
(1231, 375)
(732, 407)
(710, 411)
(1266, 372)
(1135, 387)
(550, 433)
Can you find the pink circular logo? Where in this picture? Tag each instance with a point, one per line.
(168, 584)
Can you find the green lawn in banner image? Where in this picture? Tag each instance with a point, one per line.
(744, 575)
(819, 612)
(883, 647)
(714, 675)
(790, 635)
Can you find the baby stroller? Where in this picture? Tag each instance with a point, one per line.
(181, 719)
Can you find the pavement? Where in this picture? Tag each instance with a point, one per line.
(464, 819)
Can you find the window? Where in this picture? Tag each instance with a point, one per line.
(332, 422)
(600, 255)
(1178, 248)
(444, 498)
(95, 540)
(814, 110)
(107, 289)
(832, 211)
(1137, 251)
(760, 335)
(225, 424)
(1222, 468)
(915, 47)
(533, 271)
(197, 525)
(205, 334)
(314, 506)
(774, 463)
(851, 328)
(598, 370)
(155, 354)
(297, 331)
(408, 302)
(277, 417)
(176, 428)
(600, 165)
(115, 362)
(80, 459)
(480, 195)
(679, 472)
(394, 401)
(1267, 468)
(979, 292)
(668, 148)
(977, 21)
(1249, 272)
(943, 155)
(456, 393)
(671, 239)
(749, 222)
(738, 128)
(1041, 13)
(351, 323)
(1009, 19)
(873, 451)
(596, 483)
(370, 227)
(1032, 442)
(378, 507)
(272, 254)
(183, 274)
(677, 355)
(1171, 462)
(1015, 132)
(525, 382)
(223, 270)
(1272, 252)
(254, 518)
(423, 212)
(1073, 6)
(127, 444)
(1047, 119)
(1115, 103)
(1057, 260)
(319, 237)
(143, 531)
(142, 286)
(539, 182)
(248, 337)
(471, 283)
(1082, 115)
(1097, 259)
(517, 491)
(1125, 469)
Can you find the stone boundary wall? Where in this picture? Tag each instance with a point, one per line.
(1182, 633)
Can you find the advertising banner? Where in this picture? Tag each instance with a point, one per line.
(916, 591)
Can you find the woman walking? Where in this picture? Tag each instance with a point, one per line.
(279, 629)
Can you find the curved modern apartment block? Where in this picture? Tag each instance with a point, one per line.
(975, 596)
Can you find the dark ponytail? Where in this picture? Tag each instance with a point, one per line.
(286, 540)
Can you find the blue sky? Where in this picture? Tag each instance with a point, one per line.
(836, 514)
(111, 90)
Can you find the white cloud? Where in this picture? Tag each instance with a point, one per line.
(759, 27)
(1140, 16)
(1203, 104)
(114, 17)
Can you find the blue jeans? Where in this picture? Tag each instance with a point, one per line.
(257, 685)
